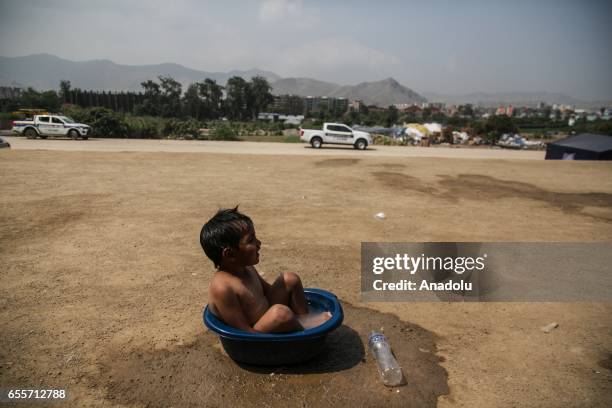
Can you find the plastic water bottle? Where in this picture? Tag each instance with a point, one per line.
(390, 371)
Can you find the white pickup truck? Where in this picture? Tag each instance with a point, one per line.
(336, 133)
(51, 125)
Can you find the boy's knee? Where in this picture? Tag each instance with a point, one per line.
(281, 313)
(291, 279)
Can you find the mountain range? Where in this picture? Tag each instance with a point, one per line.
(44, 71)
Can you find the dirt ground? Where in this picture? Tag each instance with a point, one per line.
(104, 281)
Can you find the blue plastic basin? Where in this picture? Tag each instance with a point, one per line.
(279, 348)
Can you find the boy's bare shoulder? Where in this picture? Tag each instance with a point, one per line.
(223, 283)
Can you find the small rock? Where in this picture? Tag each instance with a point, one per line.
(397, 391)
(380, 216)
(271, 374)
(193, 274)
(550, 327)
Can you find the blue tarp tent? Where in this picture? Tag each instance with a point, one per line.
(585, 146)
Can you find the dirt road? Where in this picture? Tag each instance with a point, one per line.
(263, 148)
(103, 279)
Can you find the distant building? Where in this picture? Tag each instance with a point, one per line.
(357, 104)
(288, 104)
(505, 110)
(332, 104)
(414, 110)
(401, 106)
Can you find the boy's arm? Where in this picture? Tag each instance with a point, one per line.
(228, 306)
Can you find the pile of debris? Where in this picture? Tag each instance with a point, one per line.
(516, 141)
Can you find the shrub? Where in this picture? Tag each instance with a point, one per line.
(106, 123)
(223, 132)
(77, 113)
(143, 127)
(181, 128)
(291, 139)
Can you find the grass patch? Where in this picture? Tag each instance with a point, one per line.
(274, 139)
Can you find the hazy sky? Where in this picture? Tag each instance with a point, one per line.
(456, 46)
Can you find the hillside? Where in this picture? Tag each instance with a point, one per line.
(381, 93)
(44, 71)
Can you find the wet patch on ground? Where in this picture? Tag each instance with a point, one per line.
(606, 362)
(471, 187)
(344, 374)
(403, 181)
(46, 217)
(389, 165)
(486, 188)
(336, 162)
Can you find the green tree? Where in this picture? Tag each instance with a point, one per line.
(65, 91)
(192, 102)
(466, 110)
(170, 97)
(212, 95)
(260, 95)
(355, 116)
(391, 116)
(48, 100)
(497, 125)
(237, 101)
(151, 100)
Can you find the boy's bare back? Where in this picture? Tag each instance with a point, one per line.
(241, 297)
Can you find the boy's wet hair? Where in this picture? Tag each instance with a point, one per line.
(223, 230)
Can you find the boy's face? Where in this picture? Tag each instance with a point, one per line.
(248, 249)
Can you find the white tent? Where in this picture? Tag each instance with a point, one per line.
(433, 127)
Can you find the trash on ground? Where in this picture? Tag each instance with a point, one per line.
(388, 367)
(550, 327)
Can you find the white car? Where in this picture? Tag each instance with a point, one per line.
(51, 125)
(336, 133)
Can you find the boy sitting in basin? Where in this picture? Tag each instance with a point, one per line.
(238, 294)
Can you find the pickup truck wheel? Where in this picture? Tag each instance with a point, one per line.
(361, 144)
(73, 134)
(316, 142)
(30, 133)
